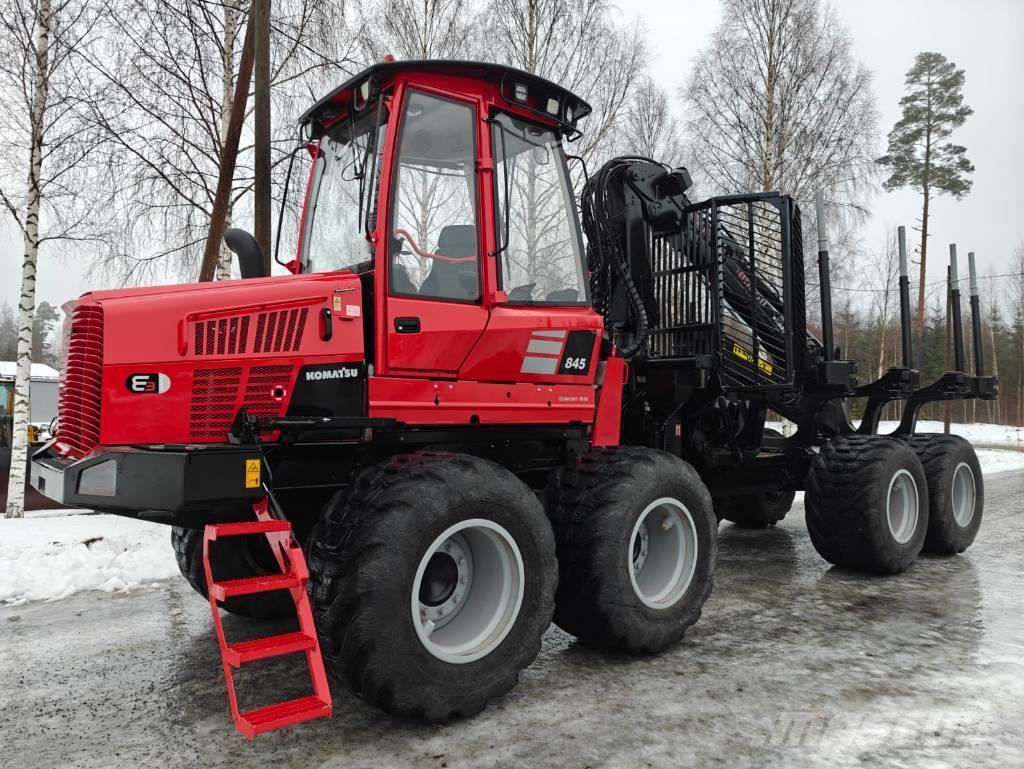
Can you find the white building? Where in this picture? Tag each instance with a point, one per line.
(43, 390)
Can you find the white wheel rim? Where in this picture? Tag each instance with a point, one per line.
(662, 553)
(472, 594)
(964, 494)
(901, 506)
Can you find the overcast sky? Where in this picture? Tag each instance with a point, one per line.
(985, 37)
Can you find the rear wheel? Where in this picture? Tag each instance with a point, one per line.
(433, 581)
(956, 491)
(232, 558)
(757, 511)
(637, 539)
(867, 504)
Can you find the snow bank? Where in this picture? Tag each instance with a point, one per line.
(1000, 461)
(980, 434)
(53, 554)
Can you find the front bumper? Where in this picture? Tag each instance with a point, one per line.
(150, 482)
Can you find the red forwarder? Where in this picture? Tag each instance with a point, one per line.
(467, 424)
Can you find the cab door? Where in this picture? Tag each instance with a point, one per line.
(434, 311)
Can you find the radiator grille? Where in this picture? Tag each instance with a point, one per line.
(80, 392)
(278, 331)
(218, 394)
(214, 393)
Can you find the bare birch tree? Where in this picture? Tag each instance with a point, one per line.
(171, 68)
(416, 29)
(579, 44)
(777, 102)
(882, 278)
(46, 149)
(649, 127)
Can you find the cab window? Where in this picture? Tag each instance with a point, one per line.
(345, 182)
(433, 246)
(541, 258)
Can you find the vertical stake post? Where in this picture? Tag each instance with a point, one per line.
(905, 331)
(979, 352)
(956, 319)
(823, 278)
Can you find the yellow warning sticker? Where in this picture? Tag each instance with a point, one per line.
(762, 364)
(252, 473)
(739, 352)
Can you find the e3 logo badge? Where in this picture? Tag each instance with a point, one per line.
(148, 384)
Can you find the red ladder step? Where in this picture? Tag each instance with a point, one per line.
(249, 527)
(263, 648)
(249, 585)
(292, 577)
(282, 714)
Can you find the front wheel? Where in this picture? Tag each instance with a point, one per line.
(433, 581)
(637, 540)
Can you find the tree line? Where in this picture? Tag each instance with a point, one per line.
(116, 115)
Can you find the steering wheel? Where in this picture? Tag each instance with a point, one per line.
(404, 235)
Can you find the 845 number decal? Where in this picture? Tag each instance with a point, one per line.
(579, 349)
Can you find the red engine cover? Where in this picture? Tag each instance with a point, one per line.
(179, 361)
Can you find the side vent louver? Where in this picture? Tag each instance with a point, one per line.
(279, 331)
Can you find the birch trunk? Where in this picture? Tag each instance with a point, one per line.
(30, 238)
(993, 404)
(231, 13)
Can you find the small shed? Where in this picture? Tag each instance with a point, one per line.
(42, 390)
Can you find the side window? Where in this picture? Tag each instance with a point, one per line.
(433, 245)
(344, 187)
(541, 254)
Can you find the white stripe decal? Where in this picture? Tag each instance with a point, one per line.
(550, 334)
(545, 348)
(532, 365)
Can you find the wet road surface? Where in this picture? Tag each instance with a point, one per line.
(794, 664)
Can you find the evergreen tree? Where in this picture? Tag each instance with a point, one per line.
(919, 154)
(43, 323)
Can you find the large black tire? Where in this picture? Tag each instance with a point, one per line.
(848, 488)
(365, 561)
(949, 458)
(597, 507)
(232, 558)
(757, 511)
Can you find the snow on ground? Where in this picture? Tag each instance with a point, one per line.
(1000, 461)
(52, 554)
(981, 434)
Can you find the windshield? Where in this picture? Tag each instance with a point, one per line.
(539, 244)
(344, 188)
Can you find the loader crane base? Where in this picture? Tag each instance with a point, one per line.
(469, 420)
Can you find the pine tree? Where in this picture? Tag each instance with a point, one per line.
(919, 154)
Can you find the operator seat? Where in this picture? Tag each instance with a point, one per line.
(454, 280)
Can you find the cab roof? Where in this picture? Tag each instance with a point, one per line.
(535, 94)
